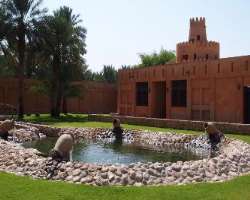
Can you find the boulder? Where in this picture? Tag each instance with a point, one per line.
(6, 126)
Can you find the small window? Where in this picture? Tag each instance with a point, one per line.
(195, 56)
(185, 57)
(198, 37)
(207, 57)
(142, 94)
(179, 93)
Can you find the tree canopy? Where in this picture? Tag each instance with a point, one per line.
(17, 19)
(161, 58)
(62, 45)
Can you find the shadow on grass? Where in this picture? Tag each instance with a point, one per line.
(47, 119)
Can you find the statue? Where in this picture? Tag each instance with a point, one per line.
(63, 148)
(117, 130)
(214, 135)
(5, 127)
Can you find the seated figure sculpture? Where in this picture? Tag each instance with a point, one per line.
(63, 148)
(117, 130)
(5, 127)
(214, 135)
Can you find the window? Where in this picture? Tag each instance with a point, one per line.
(206, 56)
(198, 37)
(195, 56)
(185, 57)
(142, 94)
(179, 93)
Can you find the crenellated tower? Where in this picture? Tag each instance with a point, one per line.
(197, 47)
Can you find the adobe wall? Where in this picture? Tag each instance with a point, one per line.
(209, 50)
(96, 97)
(214, 89)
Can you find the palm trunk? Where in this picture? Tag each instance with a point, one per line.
(55, 91)
(20, 69)
(59, 101)
(64, 105)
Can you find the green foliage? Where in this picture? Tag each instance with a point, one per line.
(17, 18)
(5, 69)
(62, 45)
(108, 74)
(161, 58)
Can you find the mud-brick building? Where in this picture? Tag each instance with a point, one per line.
(198, 86)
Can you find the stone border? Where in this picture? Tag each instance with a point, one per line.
(233, 161)
(235, 128)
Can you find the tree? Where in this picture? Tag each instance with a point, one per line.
(109, 73)
(62, 42)
(17, 19)
(155, 58)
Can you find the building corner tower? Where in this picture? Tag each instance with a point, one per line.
(197, 47)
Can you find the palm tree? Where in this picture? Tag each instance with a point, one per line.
(18, 17)
(62, 42)
(109, 73)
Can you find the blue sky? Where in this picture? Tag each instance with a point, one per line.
(120, 29)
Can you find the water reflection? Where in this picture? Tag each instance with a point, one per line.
(117, 151)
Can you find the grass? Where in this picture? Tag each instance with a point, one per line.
(81, 120)
(23, 188)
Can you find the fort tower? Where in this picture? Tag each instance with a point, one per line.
(197, 47)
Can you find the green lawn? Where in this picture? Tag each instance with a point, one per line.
(23, 188)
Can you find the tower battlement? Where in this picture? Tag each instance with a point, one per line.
(198, 20)
(197, 46)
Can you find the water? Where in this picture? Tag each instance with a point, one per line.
(115, 153)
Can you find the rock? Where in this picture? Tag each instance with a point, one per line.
(138, 177)
(76, 172)
(86, 180)
(124, 180)
(104, 175)
(83, 174)
(69, 178)
(132, 174)
(76, 179)
(111, 176)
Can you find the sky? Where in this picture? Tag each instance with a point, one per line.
(119, 30)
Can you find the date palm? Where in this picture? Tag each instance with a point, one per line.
(62, 43)
(17, 20)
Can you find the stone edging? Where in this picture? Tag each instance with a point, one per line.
(233, 161)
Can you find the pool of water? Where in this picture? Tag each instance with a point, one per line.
(116, 153)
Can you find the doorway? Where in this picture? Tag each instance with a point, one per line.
(247, 105)
(159, 99)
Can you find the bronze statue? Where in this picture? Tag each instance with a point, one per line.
(63, 148)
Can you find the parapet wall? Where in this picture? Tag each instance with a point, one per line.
(231, 128)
